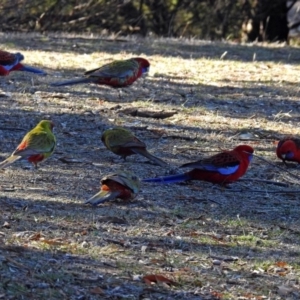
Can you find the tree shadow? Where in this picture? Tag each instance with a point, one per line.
(184, 48)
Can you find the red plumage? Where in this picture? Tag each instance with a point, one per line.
(222, 168)
(123, 191)
(117, 74)
(288, 149)
(239, 158)
(35, 158)
(11, 62)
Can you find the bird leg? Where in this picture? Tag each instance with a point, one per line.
(35, 169)
(119, 94)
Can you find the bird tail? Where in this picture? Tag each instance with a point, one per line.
(101, 197)
(9, 161)
(32, 70)
(169, 179)
(151, 157)
(73, 81)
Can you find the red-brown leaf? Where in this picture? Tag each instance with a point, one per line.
(152, 278)
(281, 264)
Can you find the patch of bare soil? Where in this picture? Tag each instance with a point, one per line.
(192, 240)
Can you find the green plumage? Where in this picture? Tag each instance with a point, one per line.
(122, 184)
(128, 67)
(123, 143)
(37, 145)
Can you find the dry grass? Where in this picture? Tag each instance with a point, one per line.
(245, 247)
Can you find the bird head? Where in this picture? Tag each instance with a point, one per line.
(107, 133)
(286, 150)
(19, 56)
(245, 149)
(46, 124)
(144, 64)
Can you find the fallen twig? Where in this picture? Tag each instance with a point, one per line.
(224, 258)
(276, 166)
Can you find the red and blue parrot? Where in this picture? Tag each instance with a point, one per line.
(288, 149)
(117, 74)
(222, 168)
(12, 62)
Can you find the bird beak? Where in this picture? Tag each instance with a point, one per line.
(145, 71)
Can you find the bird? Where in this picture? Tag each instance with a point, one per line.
(122, 184)
(222, 168)
(12, 62)
(117, 74)
(123, 143)
(288, 149)
(37, 145)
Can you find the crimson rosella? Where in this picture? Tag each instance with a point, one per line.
(118, 74)
(11, 62)
(37, 145)
(288, 149)
(123, 143)
(123, 185)
(222, 168)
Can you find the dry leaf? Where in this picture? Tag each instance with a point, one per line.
(216, 294)
(149, 279)
(185, 269)
(35, 237)
(170, 233)
(6, 225)
(157, 261)
(281, 264)
(194, 234)
(56, 242)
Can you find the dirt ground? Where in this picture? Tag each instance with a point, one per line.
(192, 240)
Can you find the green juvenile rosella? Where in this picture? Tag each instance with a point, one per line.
(37, 145)
(123, 143)
(122, 184)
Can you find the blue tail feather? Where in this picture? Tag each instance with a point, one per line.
(169, 179)
(73, 81)
(32, 70)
